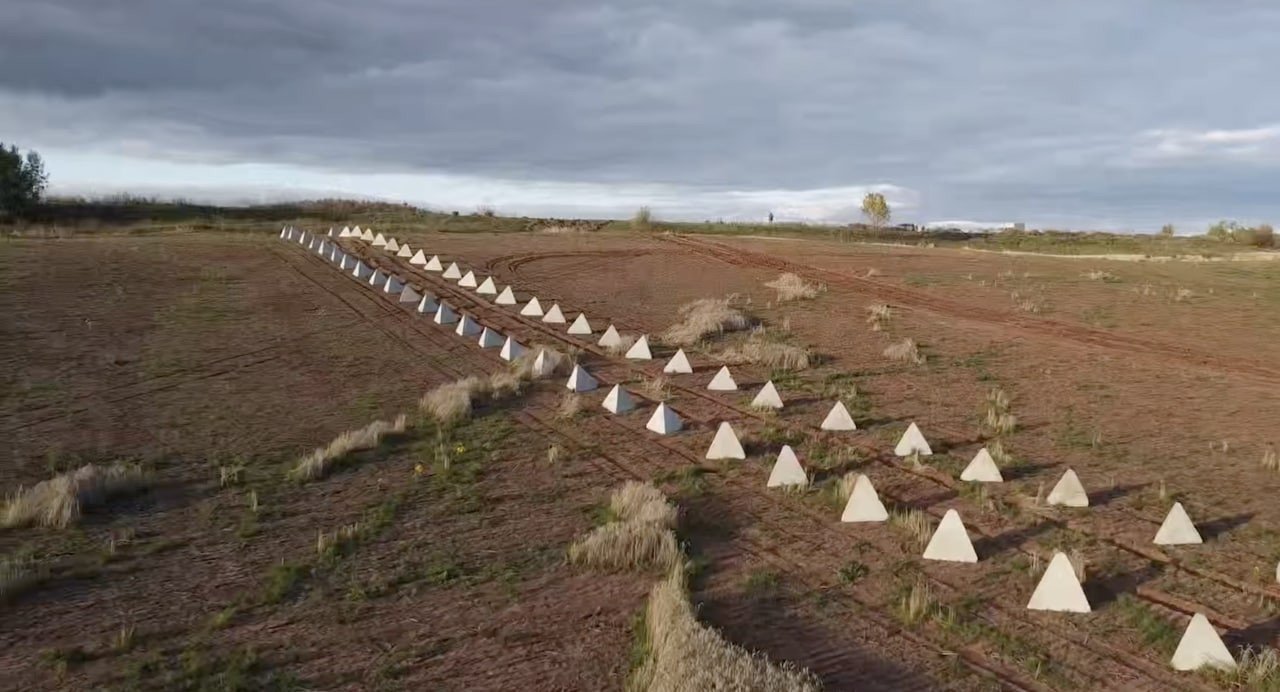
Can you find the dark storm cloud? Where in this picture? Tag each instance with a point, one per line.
(1068, 109)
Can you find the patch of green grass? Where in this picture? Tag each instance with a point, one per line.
(689, 480)
(223, 617)
(1156, 632)
(852, 571)
(761, 581)
(641, 649)
(919, 280)
(283, 581)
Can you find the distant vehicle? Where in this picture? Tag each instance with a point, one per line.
(907, 227)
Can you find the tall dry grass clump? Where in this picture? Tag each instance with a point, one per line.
(702, 318)
(905, 351)
(625, 342)
(770, 353)
(642, 220)
(59, 501)
(683, 654)
(791, 287)
(639, 538)
(17, 576)
(321, 460)
(452, 402)
(1270, 461)
(878, 316)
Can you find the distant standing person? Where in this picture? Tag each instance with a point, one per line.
(770, 217)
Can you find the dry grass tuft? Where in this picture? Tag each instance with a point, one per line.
(639, 538)
(1099, 275)
(1079, 563)
(705, 317)
(625, 342)
(570, 406)
(914, 523)
(791, 287)
(522, 367)
(655, 388)
(59, 501)
(685, 655)
(17, 576)
(1270, 461)
(915, 603)
(845, 487)
(1257, 669)
(453, 401)
(905, 351)
(878, 316)
(320, 461)
(642, 502)
(999, 421)
(777, 355)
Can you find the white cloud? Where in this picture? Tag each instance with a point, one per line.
(1175, 145)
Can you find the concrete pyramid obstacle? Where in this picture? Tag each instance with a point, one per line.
(356, 232)
(346, 262)
(427, 304)
(467, 326)
(768, 397)
(490, 338)
(379, 240)
(640, 349)
(361, 271)
(392, 245)
(487, 288)
(410, 295)
(1201, 646)
(331, 231)
(787, 470)
(507, 297)
(611, 338)
(864, 503)
(580, 380)
(445, 315)
(405, 251)
(723, 381)
(725, 444)
(345, 232)
(912, 442)
(664, 421)
(1178, 528)
(533, 309)
(618, 400)
(1059, 589)
(453, 272)
(982, 469)
(394, 284)
(678, 365)
(283, 231)
(311, 242)
(418, 259)
(511, 350)
(322, 247)
(368, 235)
(838, 419)
(554, 315)
(542, 365)
(950, 543)
(580, 325)
(378, 279)
(1069, 492)
(468, 280)
(302, 238)
(434, 264)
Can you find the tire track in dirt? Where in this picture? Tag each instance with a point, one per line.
(1044, 329)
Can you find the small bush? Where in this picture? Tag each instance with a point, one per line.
(914, 523)
(640, 536)
(570, 406)
(1270, 461)
(915, 604)
(642, 502)
(905, 351)
(705, 317)
(642, 220)
(557, 363)
(453, 401)
(878, 316)
(791, 287)
(1099, 275)
(772, 354)
(320, 461)
(59, 501)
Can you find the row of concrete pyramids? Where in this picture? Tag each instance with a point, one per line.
(1058, 589)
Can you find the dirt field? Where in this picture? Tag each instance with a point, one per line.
(190, 352)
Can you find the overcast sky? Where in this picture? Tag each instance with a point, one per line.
(1082, 114)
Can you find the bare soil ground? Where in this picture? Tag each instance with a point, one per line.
(198, 350)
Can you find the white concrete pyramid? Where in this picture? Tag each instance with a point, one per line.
(361, 270)
(864, 503)
(511, 350)
(787, 470)
(445, 315)
(1059, 589)
(393, 285)
(405, 251)
(345, 232)
(453, 272)
(323, 247)
(950, 543)
(392, 245)
(507, 297)
(664, 421)
(490, 338)
(1178, 528)
(434, 264)
(1069, 492)
(611, 338)
(486, 287)
(346, 262)
(554, 315)
(533, 309)
(1201, 646)
(467, 326)
(723, 381)
(982, 469)
(311, 242)
(542, 364)
(678, 365)
(378, 280)
(580, 325)
(427, 304)
(356, 233)
(912, 442)
(283, 231)
(640, 349)
(331, 231)
(580, 380)
(725, 445)
(838, 419)
(419, 259)
(468, 280)
(768, 397)
(367, 235)
(379, 240)
(302, 238)
(410, 295)
(618, 400)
